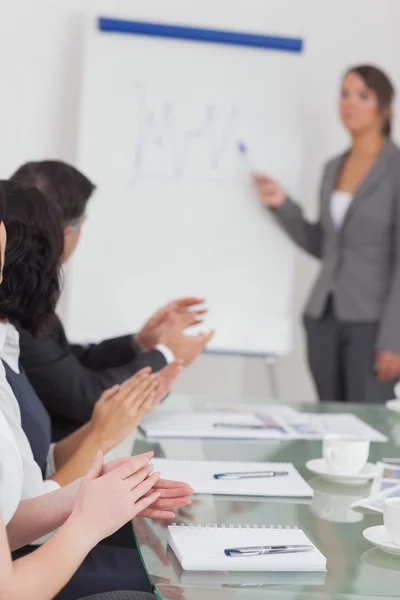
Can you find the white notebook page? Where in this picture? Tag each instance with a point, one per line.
(200, 476)
(203, 425)
(202, 549)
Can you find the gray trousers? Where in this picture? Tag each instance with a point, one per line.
(341, 357)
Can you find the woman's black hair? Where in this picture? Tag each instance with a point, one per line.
(377, 81)
(31, 275)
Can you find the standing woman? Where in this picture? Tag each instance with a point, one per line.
(352, 318)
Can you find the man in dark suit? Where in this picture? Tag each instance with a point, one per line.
(70, 378)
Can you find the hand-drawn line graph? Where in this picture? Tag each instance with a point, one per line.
(159, 129)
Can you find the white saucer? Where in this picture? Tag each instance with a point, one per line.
(393, 405)
(376, 559)
(378, 537)
(319, 467)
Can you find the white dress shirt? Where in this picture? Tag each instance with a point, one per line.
(166, 352)
(10, 471)
(340, 202)
(32, 480)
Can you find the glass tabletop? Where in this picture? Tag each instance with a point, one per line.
(355, 569)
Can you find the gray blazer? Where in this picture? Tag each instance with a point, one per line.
(361, 261)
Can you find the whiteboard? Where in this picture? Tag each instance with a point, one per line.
(175, 212)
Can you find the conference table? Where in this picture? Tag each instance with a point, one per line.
(356, 570)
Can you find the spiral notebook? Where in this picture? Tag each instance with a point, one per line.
(201, 548)
(200, 476)
(243, 579)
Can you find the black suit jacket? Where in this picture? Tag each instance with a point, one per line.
(69, 379)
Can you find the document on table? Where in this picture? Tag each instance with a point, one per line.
(213, 425)
(261, 425)
(316, 425)
(386, 485)
(282, 411)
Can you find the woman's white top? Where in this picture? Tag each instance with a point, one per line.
(340, 202)
(11, 472)
(32, 479)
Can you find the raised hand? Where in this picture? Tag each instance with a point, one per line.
(121, 408)
(104, 503)
(166, 379)
(178, 313)
(185, 347)
(387, 366)
(173, 494)
(270, 192)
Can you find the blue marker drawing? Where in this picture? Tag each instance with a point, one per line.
(159, 130)
(242, 147)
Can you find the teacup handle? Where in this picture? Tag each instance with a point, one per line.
(330, 455)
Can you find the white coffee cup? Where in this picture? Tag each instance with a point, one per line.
(391, 519)
(345, 454)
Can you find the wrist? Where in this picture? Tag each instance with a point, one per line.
(98, 439)
(140, 341)
(78, 528)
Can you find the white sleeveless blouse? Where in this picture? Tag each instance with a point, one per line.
(11, 472)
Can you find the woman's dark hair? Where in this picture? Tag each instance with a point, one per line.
(377, 81)
(31, 275)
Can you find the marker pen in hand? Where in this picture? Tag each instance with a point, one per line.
(248, 159)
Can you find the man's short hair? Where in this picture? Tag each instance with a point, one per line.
(61, 183)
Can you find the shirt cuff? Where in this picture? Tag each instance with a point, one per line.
(166, 352)
(50, 465)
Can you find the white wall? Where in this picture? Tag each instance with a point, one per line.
(40, 60)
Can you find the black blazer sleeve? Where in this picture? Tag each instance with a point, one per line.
(67, 386)
(108, 354)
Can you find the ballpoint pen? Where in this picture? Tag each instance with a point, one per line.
(244, 426)
(250, 475)
(263, 550)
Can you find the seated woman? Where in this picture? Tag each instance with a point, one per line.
(43, 514)
(32, 279)
(85, 511)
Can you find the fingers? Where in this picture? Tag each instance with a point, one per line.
(386, 373)
(113, 464)
(134, 480)
(108, 394)
(142, 504)
(132, 465)
(172, 368)
(202, 339)
(207, 337)
(151, 513)
(171, 503)
(188, 301)
(386, 368)
(135, 379)
(141, 489)
(168, 484)
(174, 492)
(261, 178)
(138, 393)
(168, 374)
(183, 320)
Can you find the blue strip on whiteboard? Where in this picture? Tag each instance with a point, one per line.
(235, 38)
